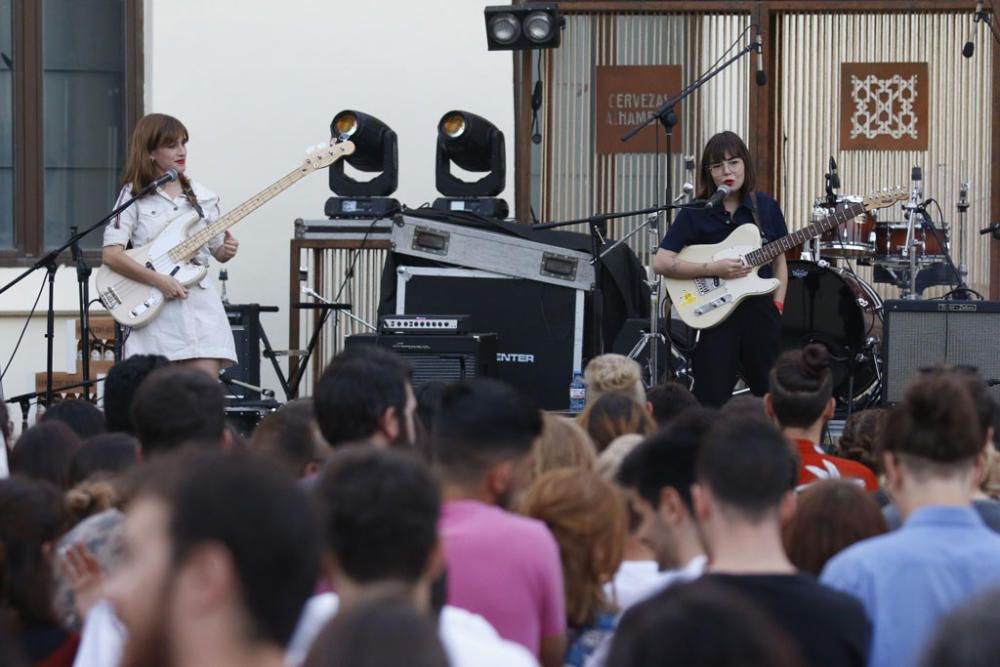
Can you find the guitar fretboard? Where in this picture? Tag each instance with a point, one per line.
(188, 248)
(839, 216)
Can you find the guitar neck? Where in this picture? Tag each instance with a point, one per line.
(839, 216)
(187, 249)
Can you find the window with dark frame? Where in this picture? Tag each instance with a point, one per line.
(70, 92)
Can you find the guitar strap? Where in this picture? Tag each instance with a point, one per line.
(753, 211)
(189, 194)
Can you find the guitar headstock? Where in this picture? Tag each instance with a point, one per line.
(323, 155)
(885, 197)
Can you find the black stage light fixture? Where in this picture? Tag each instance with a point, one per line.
(375, 150)
(474, 144)
(533, 25)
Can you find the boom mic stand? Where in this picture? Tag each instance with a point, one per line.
(49, 263)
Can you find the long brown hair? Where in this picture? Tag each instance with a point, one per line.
(720, 147)
(586, 515)
(152, 131)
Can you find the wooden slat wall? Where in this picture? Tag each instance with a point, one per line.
(814, 46)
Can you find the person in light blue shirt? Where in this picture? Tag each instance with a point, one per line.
(943, 554)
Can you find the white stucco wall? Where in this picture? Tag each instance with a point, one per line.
(256, 82)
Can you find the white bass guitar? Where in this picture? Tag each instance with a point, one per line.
(135, 304)
(707, 301)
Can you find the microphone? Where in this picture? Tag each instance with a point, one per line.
(992, 229)
(168, 176)
(761, 74)
(834, 177)
(970, 45)
(917, 194)
(963, 196)
(719, 195)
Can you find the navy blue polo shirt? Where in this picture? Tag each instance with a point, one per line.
(706, 226)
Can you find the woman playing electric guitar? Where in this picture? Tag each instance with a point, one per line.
(748, 341)
(192, 327)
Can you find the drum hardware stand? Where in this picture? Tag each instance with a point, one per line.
(963, 208)
(909, 248)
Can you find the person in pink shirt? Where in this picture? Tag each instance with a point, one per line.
(501, 565)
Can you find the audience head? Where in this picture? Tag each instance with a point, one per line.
(177, 406)
(32, 518)
(613, 415)
(121, 385)
(224, 540)
(670, 629)
(859, 440)
(614, 374)
(292, 436)
(830, 516)
(428, 401)
(669, 400)
(935, 432)
(658, 475)
(103, 456)
(6, 425)
(586, 515)
(563, 444)
(610, 461)
(364, 395)
(744, 404)
(482, 435)
(45, 452)
(745, 472)
(378, 632)
(801, 387)
(379, 515)
(83, 417)
(967, 637)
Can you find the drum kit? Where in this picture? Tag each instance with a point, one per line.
(828, 303)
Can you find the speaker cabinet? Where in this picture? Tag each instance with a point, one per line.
(539, 326)
(438, 356)
(919, 334)
(244, 320)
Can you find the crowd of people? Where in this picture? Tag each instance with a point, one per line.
(377, 523)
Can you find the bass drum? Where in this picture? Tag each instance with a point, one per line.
(837, 309)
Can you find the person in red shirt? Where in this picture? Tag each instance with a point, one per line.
(800, 399)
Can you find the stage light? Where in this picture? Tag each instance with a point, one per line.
(528, 26)
(375, 150)
(475, 145)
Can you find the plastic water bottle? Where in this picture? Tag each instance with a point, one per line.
(577, 392)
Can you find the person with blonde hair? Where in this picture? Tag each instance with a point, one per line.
(586, 515)
(562, 444)
(614, 374)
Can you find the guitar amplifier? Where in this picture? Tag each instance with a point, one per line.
(244, 320)
(539, 326)
(438, 356)
(919, 334)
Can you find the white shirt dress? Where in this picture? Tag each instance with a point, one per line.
(191, 328)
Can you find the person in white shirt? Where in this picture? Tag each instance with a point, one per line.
(379, 514)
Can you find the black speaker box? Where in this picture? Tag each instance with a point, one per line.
(918, 334)
(539, 326)
(438, 356)
(244, 319)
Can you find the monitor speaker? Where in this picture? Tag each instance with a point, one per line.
(919, 334)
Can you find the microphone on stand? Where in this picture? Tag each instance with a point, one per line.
(719, 195)
(761, 74)
(834, 176)
(916, 194)
(168, 176)
(970, 45)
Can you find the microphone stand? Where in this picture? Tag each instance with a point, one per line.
(83, 288)
(667, 116)
(49, 263)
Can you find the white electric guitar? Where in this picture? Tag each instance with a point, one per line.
(135, 304)
(705, 302)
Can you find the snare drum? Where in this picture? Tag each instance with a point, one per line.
(890, 240)
(849, 240)
(837, 309)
